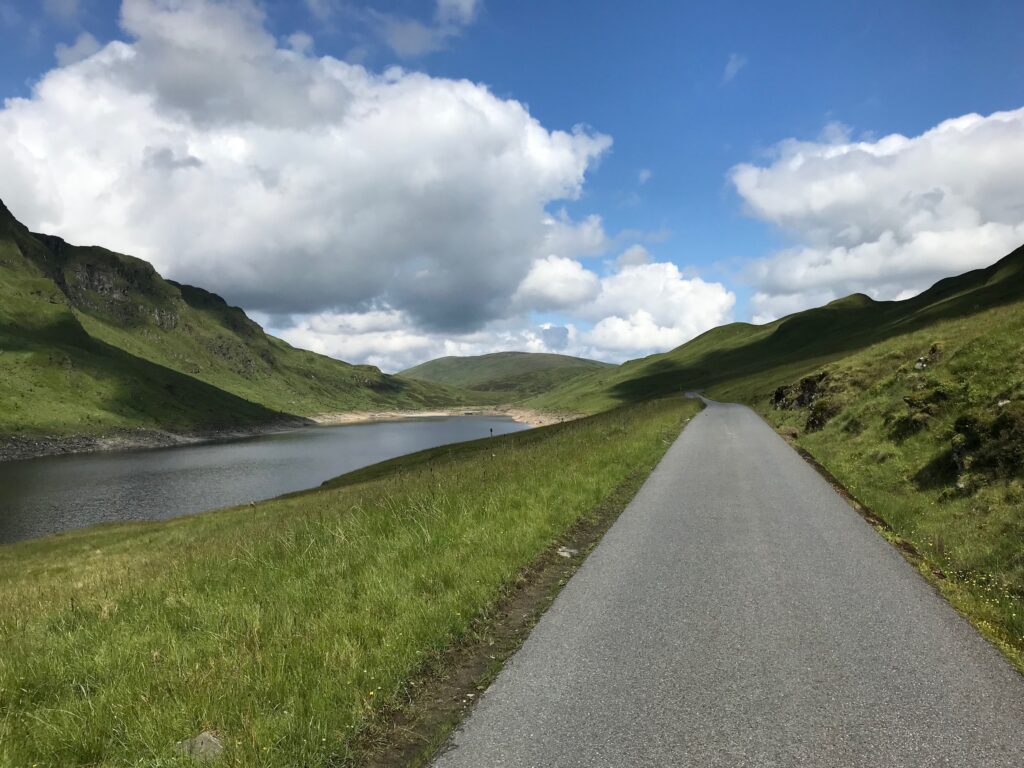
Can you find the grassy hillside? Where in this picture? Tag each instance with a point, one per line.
(916, 406)
(506, 375)
(288, 627)
(57, 378)
(80, 325)
(747, 362)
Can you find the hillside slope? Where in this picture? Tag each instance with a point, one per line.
(747, 362)
(85, 330)
(916, 406)
(505, 374)
(59, 379)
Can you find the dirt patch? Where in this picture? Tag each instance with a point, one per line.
(440, 697)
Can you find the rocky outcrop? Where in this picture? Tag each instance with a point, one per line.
(799, 395)
(990, 447)
(809, 393)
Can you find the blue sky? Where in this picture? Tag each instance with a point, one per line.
(656, 78)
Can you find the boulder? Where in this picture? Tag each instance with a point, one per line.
(205, 746)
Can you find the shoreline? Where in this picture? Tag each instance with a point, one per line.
(22, 447)
(521, 415)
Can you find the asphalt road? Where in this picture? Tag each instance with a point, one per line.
(740, 613)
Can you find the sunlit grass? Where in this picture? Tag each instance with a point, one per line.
(285, 627)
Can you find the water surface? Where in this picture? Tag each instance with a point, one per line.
(58, 493)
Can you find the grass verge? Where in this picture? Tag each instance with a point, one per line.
(440, 697)
(293, 628)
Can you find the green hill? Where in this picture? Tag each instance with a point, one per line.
(747, 362)
(506, 375)
(92, 340)
(916, 406)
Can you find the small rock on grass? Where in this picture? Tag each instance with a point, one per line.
(205, 746)
(566, 552)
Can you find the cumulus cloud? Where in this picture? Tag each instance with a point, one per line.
(644, 175)
(887, 217)
(389, 340)
(644, 308)
(289, 183)
(85, 45)
(377, 217)
(556, 282)
(300, 42)
(733, 66)
(634, 310)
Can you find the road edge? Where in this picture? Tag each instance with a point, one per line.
(929, 571)
(443, 694)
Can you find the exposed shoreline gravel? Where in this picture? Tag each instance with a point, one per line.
(522, 415)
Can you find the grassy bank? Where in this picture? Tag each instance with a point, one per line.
(287, 627)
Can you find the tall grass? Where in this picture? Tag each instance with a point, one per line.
(286, 627)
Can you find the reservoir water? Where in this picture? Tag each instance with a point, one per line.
(59, 493)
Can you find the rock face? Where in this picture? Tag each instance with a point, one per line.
(991, 445)
(810, 394)
(799, 395)
(205, 746)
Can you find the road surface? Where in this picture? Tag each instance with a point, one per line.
(740, 613)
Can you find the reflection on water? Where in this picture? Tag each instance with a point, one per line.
(53, 494)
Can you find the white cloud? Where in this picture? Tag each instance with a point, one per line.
(575, 238)
(556, 282)
(646, 308)
(644, 175)
(636, 310)
(887, 217)
(733, 66)
(635, 334)
(383, 218)
(85, 45)
(391, 342)
(300, 42)
(294, 184)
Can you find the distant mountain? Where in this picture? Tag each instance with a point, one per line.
(91, 339)
(505, 374)
(748, 362)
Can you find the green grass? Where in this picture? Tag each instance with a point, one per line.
(506, 376)
(92, 340)
(59, 379)
(890, 432)
(287, 627)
